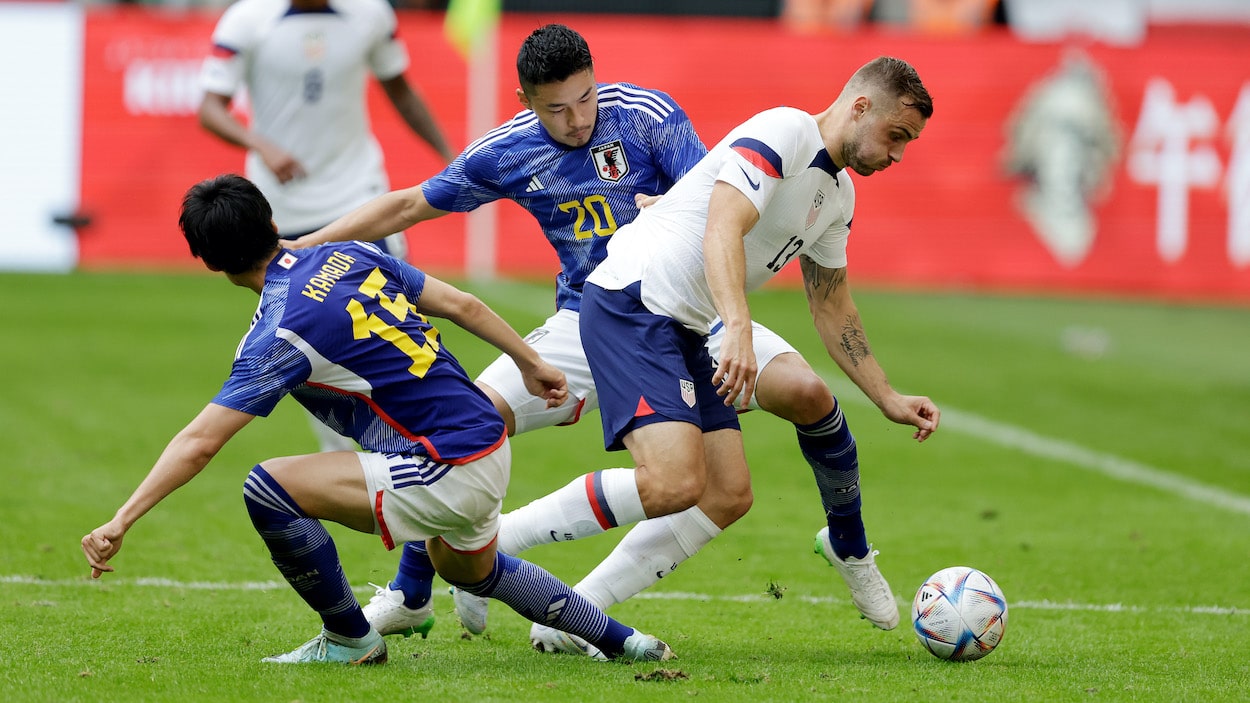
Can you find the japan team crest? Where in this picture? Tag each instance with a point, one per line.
(610, 162)
(687, 391)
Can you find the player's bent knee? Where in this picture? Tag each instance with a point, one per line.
(726, 507)
(665, 492)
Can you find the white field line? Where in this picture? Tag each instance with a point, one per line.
(645, 595)
(1074, 455)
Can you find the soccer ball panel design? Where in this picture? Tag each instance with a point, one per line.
(959, 614)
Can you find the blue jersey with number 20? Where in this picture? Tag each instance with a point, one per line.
(337, 328)
(642, 143)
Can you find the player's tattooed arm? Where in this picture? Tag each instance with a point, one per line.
(826, 289)
(821, 283)
(854, 341)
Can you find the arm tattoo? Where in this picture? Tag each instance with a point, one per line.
(820, 282)
(854, 341)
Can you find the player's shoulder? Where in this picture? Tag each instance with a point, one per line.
(634, 100)
(523, 128)
(254, 11)
(379, 11)
(790, 118)
(789, 132)
(247, 22)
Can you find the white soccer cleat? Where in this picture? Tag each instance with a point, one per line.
(869, 591)
(642, 647)
(389, 616)
(472, 610)
(322, 649)
(549, 639)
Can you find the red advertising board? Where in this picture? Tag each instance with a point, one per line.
(1046, 167)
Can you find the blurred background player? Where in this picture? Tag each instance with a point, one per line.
(436, 458)
(309, 146)
(577, 159)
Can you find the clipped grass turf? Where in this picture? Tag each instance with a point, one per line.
(1092, 460)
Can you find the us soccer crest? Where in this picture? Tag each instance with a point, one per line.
(814, 213)
(610, 161)
(687, 391)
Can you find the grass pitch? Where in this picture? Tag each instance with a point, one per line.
(1092, 459)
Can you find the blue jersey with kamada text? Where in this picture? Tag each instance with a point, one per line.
(642, 143)
(337, 328)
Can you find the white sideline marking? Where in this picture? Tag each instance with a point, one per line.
(1109, 465)
(645, 595)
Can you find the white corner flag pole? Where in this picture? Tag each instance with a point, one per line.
(482, 99)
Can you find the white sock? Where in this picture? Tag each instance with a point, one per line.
(651, 551)
(590, 505)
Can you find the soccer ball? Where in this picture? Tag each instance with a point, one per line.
(959, 614)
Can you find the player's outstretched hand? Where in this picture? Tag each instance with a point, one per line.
(100, 545)
(915, 410)
(546, 381)
(736, 369)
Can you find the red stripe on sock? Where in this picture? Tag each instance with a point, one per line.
(594, 503)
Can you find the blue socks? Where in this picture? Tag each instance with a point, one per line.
(830, 449)
(537, 595)
(415, 577)
(303, 551)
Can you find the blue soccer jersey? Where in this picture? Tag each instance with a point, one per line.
(643, 142)
(337, 328)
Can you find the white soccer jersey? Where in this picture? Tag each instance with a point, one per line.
(778, 160)
(305, 74)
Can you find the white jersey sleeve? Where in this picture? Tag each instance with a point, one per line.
(829, 249)
(234, 37)
(389, 56)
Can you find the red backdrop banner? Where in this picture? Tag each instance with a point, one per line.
(1046, 167)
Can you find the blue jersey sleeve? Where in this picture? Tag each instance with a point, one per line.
(676, 145)
(462, 186)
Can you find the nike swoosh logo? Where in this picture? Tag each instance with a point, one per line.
(753, 184)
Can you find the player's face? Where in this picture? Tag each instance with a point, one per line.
(880, 135)
(567, 109)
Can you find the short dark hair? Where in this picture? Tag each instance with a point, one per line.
(551, 54)
(898, 79)
(228, 224)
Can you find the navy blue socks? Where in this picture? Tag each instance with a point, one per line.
(305, 554)
(830, 449)
(415, 577)
(537, 595)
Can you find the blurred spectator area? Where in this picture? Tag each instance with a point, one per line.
(1114, 21)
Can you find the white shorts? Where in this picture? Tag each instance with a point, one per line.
(559, 342)
(416, 498)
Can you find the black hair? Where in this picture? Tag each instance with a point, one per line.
(228, 224)
(551, 54)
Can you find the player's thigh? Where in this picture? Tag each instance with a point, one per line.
(417, 498)
(727, 463)
(559, 342)
(791, 390)
(326, 486)
(649, 369)
(768, 347)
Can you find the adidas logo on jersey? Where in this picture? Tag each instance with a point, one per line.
(534, 185)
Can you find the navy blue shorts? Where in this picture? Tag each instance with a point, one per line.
(647, 368)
